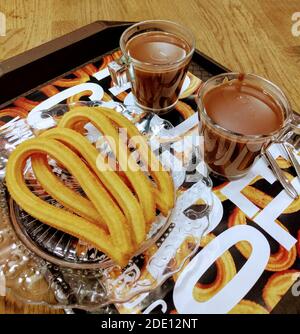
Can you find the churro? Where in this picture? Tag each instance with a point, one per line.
(278, 285)
(225, 269)
(61, 193)
(184, 109)
(80, 77)
(281, 260)
(112, 182)
(138, 180)
(13, 112)
(114, 245)
(119, 205)
(164, 191)
(194, 85)
(248, 307)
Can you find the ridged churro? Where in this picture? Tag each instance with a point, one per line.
(112, 182)
(61, 193)
(119, 205)
(164, 193)
(138, 180)
(248, 307)
(279, 261)
(278, 285)
(225, 270)
(114, 245)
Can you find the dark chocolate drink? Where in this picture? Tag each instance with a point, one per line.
(244, 110)
(160, 64)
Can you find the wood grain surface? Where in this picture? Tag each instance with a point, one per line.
(243, 35)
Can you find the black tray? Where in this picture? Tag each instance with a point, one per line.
(22, 74)
(79, 47)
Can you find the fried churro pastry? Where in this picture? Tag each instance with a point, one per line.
(13, 112)
(279, 261)
(262, 199)
(61, 193)
(248, 307)
(49, 90)
(112, 182)
(121, 200)
(194, 85)
(184, 109)
(80, 77)
(278, 285)
(225, 270)
(114, 245)
(164, 193)
(138, 180)
(25, 103)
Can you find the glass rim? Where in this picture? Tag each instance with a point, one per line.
(185, 29)
(287, 109)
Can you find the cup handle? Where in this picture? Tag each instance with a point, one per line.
(118, 71)
(288, 142)
(295, 124)
(288, 147)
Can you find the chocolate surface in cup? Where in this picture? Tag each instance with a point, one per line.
(159, 67)
(243, 109)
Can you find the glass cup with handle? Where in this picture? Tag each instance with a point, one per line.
(155, 60)
(240, 116)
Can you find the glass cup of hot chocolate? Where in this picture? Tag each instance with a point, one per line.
(156, 56)
(240, 115)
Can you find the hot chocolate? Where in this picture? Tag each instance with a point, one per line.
(159, 67)
(239, 117)
(243, 108)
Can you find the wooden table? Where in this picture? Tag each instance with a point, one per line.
(243, 35)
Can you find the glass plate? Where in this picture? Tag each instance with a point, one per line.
(37, 260)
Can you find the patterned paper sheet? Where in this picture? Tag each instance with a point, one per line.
(251, 256)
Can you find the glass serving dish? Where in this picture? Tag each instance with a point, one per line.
(41, 265)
